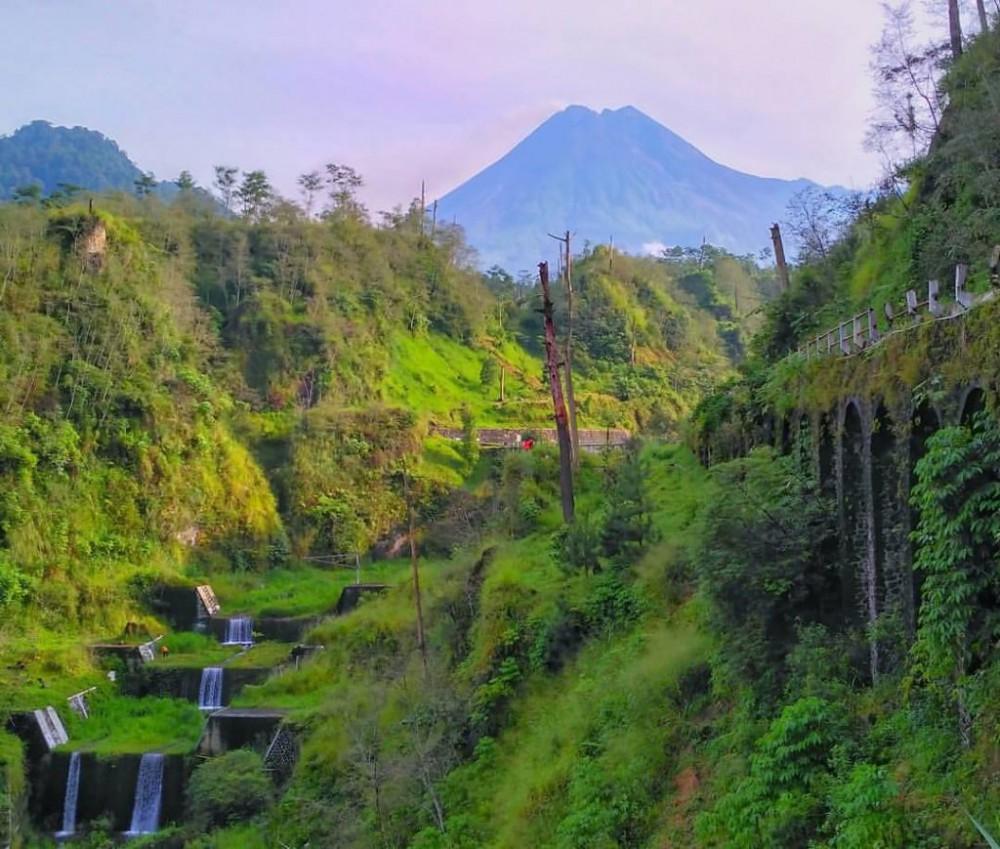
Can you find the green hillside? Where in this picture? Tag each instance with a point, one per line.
(190, 397)
(712, 653)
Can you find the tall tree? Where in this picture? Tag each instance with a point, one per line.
(225, 183)
(984, 21)
(144, 184)
(185, 182)
(955, 28)
(310, 184)
(255, 195)
(908, 95)
(343, 183)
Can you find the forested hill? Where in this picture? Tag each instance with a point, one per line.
(196, 396)
(253, 382)
(56, 159)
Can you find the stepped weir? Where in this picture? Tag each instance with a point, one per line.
(148, 795)
(239, 631)
(210, 691)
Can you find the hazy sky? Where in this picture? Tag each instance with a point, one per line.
(437, 89)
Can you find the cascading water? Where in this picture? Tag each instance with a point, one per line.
(72, 794)
(210, 690)
(239, 631)
(148, 795)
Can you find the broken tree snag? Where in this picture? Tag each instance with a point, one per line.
(415, 569)
(779, 257)
(558, 404)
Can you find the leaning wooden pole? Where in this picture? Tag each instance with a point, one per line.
(570, 395)
(421, 637)
(779, 257)
(558, 404)
(567, 271)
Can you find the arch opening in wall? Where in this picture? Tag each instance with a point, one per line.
(973, 404)
(852, 511)
(892, 568)
(803, 442)
(785, 436)
(924, 423)
(827, 456)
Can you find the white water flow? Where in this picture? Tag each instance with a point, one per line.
(210, 690)
(239, 631)
(148, 795)
(70, 799)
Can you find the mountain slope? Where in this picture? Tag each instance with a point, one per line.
(615, 173)
(47, 156)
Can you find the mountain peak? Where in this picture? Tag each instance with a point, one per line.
(617, 172)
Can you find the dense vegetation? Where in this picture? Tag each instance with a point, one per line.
(191, 395)
(219, 396)
(40, 160)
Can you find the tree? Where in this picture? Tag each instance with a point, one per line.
(30, 194)
(558, 404)
(229, 788)
(225, 183)
(311, 184)
(955, 29)
(818, 219)
(628, 527)
(984, 21)
(144, 184)
(343, 183)
(185, 182)
(908, 97)
(470, 437)
(762, 566)
(255, 195)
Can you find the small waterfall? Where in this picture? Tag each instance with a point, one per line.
(51, 727)
(239, 631)
(72, 794)
(210, 690)
(148, 795)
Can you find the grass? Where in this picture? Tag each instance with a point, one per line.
(43, 667)
(301, 590)
(437, 376)
(196, 651)
(585, 746)
(243, 836)
(123, 725)
(381, 624)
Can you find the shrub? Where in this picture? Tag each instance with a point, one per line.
(228, 789)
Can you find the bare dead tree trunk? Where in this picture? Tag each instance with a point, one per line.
(779, 257)
(567, 269)
(955, 28)
(570, 394)
(984, 21)
(558, 405)
(421, 641)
